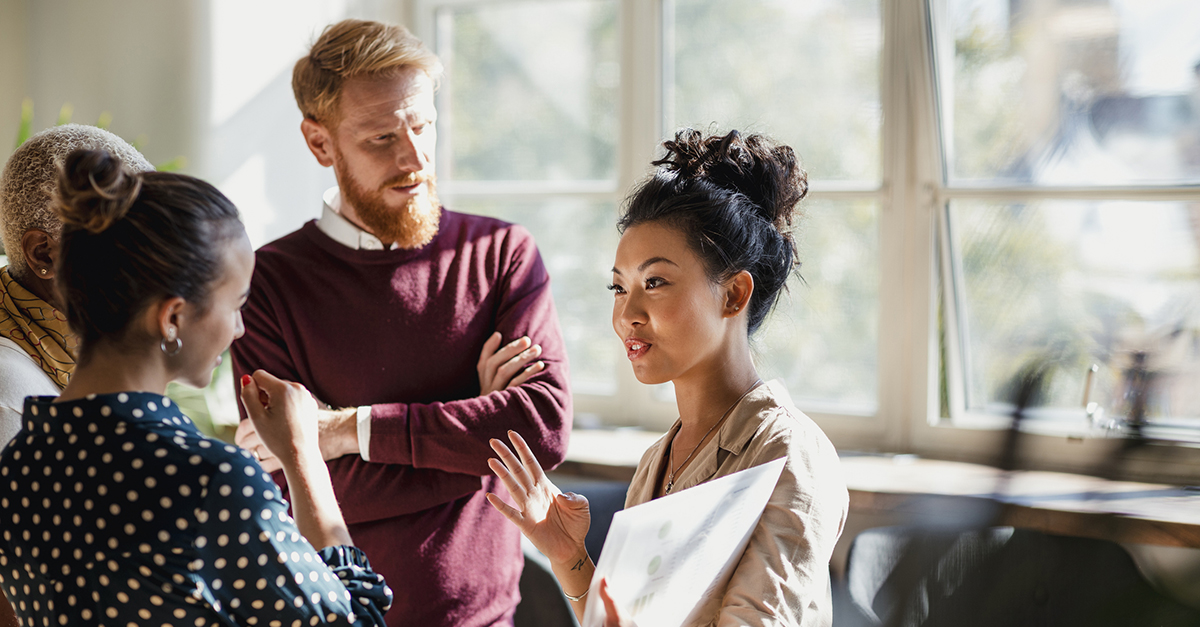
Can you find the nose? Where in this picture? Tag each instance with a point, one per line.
(410, 154)
(628, 314)
(239, 328)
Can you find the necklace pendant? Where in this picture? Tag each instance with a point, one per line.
(670, 484)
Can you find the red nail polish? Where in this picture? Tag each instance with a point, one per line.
(245, 380)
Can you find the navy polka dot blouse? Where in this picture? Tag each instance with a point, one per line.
(116, 511)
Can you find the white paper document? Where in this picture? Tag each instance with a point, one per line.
(661, 557)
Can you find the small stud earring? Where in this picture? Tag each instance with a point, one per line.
(44, 272)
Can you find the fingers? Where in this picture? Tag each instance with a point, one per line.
(510, 350)
(612, 616)
(526, 373)
(250, 397)
(570, 500)
(513, 466)
(246, 435)
(270, 464)
(508, 511)
(489, 349)
(514, 488)
(530, 463)
(268, 382)
(514, 363)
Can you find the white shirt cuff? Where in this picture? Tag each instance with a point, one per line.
(364, 433)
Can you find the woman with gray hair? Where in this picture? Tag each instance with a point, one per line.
(37, 353)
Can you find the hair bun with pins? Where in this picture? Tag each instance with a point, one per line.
(95, 190)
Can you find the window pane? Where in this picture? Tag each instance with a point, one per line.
(823, 336)
(1085, 282)
(577, 240)
(530, 91)
(1072, 92)
(806, 73)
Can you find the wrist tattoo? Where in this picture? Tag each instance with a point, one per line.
(579, 565)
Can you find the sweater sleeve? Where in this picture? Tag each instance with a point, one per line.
(453, 436)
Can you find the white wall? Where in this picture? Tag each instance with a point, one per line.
(12, 70)
(208, 80)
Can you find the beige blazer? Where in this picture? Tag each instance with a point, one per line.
(783, 575)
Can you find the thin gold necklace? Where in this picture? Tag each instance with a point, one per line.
(671, 452)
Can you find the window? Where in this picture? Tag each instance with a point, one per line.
(989, 180)
(1071, 135)
(549, 114)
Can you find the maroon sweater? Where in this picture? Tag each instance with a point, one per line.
(401, 331)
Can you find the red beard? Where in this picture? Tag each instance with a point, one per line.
(411, 226)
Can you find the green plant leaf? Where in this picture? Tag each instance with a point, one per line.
(174, 165)
(25, 130)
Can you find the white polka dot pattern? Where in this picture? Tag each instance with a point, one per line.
(142, 521)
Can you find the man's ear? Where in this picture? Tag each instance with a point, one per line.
(319, 140)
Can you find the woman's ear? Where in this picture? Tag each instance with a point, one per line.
(167, 318)
(738, 290)
(41, 249)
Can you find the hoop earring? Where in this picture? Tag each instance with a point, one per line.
(178, 343)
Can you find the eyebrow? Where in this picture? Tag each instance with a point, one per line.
(647, 263)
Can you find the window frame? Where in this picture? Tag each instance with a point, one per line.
(913, 196)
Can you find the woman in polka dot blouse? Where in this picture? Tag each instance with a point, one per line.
(116, 511)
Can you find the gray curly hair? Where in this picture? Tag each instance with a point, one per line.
(30, 179)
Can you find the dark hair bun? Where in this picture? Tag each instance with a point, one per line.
(734, 197)
(95, 190)
(752, 165)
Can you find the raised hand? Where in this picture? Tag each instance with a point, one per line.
(284, 417)
(505, 367)
(554, 522)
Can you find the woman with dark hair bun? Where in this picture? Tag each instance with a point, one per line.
(117, 509)
(704, 254)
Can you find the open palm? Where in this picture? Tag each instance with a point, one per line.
(554, 522)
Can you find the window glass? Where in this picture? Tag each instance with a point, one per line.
(806, 73)
(530, 91)
(822, 339)
(578, 241)
(1072, 92)
(1082, 283)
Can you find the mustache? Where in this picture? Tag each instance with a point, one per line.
(406, 180)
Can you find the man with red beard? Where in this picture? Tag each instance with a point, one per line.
(395, 308)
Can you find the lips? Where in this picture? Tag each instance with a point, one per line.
(635, 348)
(407, 183)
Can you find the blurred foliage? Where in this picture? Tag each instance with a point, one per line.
(25, 131)
(533, 91)
(990, 135)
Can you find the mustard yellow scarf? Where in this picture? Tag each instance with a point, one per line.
(38, 328)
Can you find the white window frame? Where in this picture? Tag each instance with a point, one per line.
(912, 198)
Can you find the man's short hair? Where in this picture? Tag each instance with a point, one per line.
(350, 49)
(30, 180)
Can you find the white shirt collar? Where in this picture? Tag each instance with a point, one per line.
(343, 231)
